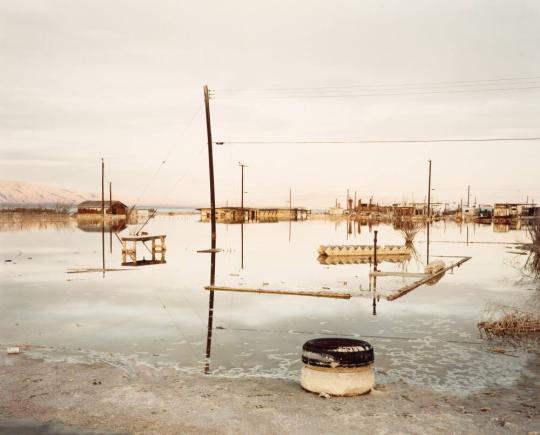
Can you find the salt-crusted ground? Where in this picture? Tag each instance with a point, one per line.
(43, 397)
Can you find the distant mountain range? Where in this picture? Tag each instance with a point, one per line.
(24, 193)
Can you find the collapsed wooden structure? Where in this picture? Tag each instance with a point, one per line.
(129, 249)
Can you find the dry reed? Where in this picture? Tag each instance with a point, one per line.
(505, 321)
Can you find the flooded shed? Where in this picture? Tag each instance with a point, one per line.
(115, 208)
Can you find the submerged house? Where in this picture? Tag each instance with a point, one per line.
(484, 213)
(240, 215)
(115, 208)
(410, 211)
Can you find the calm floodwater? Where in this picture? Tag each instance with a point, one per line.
(158, 314)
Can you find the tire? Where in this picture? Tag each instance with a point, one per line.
(337, 352)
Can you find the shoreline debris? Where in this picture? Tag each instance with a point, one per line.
(508, 321)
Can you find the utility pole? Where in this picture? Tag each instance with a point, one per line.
(213, 228)
(211, 172)
(347, 200)
(290, 202)
(355, 207)
(103, 188)
(242, 166)
(429, 191)
(110, 208)
(468, 196)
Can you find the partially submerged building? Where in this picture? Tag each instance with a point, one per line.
(114, 208)
(250, 214)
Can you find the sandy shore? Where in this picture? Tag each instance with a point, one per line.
(50, 397)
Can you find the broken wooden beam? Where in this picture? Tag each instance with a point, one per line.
(100, 269)
(318, 294)
(404, 274)
(408, 288)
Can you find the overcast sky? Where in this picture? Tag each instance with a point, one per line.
(123, 79)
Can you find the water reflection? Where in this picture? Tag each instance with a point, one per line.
(98, 225)
(423, 336)
(30, 222)
(532, 265)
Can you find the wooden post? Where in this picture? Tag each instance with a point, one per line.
(124, 249)
(375, 251)
(103, 215)
(110, 208)
(429, 192)
(242, 166)
(290, 204)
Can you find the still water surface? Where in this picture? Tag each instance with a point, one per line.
(158, 314)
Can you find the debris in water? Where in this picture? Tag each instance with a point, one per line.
(509, 321)
(13, 350)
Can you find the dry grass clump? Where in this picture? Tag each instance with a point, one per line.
(505, 321)
(532, 266)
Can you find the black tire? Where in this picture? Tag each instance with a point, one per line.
(337, 352)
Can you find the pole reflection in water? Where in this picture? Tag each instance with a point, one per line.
(427, 244)
(210, 309)
(290, 223)
(103, 245)
(375, 269)
(242, 245)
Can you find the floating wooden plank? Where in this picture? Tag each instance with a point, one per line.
(96, 269)
(318, 294)
(404, 274)
(209, 251)
(142, 238)
(408, 288)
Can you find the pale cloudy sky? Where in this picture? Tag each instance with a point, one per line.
(123, 80)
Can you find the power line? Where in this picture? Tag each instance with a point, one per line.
(262, 142)
(389, 85)
(371, 94)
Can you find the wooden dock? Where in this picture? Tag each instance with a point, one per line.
(364, 251)
(129, 249)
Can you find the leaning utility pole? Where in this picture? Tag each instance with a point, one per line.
(468, 196)
(429, 192)
(210, 168)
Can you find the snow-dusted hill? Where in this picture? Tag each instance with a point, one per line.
(22, 192)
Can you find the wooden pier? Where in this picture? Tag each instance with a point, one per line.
(129, 249)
